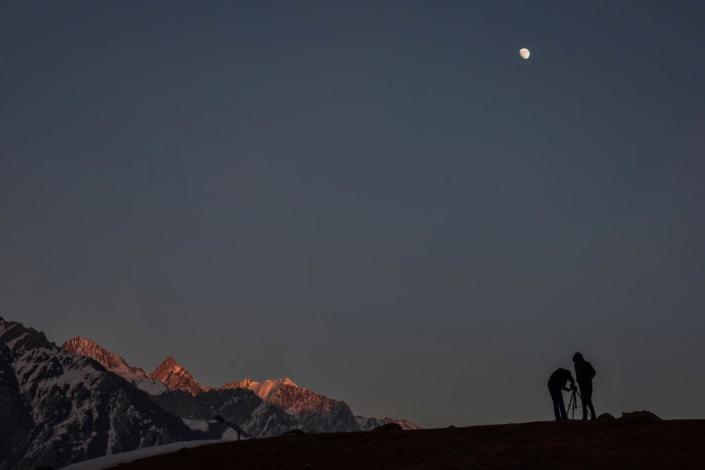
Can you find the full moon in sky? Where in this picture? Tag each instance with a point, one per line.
(524, 53)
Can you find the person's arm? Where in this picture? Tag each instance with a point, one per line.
(572, 384)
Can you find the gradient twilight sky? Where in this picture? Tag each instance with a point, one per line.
(379, 199)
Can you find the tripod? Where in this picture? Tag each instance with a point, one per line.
(573, 402)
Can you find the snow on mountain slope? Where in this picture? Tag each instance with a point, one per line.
(115, 364)
(77, 409)
(263, 389)
(111, 361)
(196, 405)
(15, 413)
(313, 411)
(63, 405)
(239, 406)
(110, 461)
(176, 377)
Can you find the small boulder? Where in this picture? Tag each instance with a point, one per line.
(388, 427)
(605, 418)
(293, 433)
(641, 416)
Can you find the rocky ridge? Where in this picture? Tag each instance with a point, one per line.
(69, 407)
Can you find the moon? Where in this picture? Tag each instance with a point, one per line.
(525, 53)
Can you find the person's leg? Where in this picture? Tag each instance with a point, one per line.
(555, 398)
(558, 405)
(561, 406)
(585, 399)
(588, 403)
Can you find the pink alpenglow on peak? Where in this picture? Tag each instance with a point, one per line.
(314, 411)
(176, 377)
(111, 361)
(114, 363)
(263, 389)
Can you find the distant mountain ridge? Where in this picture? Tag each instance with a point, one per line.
(183, 396)
(311, 411)
(112, 362)
(70, 408)
(240, 406)
(115, 364)
(314, 412)
(263, 389)
(60, 405)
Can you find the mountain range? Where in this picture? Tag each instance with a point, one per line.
(65, 404)
(66, 407)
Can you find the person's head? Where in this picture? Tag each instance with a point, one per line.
(577, 357)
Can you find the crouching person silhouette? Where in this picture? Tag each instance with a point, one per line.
(584, 372)
(556, 385)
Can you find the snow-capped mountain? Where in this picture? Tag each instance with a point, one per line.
(75, 408)
(64, 405)
(115, 364)
(15, 413)
(182, 396)
(239, 406)
(313, 411)
(306, 409)
(176, 377)
(263, 389)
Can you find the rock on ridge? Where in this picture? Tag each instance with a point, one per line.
(368, 424)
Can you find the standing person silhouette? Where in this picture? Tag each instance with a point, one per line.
(556, 385)
(584, 372)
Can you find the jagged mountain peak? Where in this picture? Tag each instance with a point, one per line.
(66, 407)
(287, 381)
(81, 340)
(315, 412)
(81, 343)
(114, 363)
(270, 386)
(71, 403)
(169, 361)
(19, 337)
(109, 360)
(263, 389)
(169, 364)
(176, 377)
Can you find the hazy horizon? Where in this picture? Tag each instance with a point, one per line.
(380, 200)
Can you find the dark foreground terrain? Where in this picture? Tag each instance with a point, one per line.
(545, 445)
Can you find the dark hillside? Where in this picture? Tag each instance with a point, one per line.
(545, 445)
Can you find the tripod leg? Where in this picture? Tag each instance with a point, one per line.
(573, 404)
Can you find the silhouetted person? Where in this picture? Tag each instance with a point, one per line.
(556, 385)
(584, 372)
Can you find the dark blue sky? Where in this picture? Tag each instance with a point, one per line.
(378, 199)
